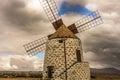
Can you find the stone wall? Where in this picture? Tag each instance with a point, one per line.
(55, 56)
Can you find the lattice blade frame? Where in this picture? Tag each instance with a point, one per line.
(36, 46)
(89, 21)
(50, 9)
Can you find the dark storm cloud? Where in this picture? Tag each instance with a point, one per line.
(21, 24)
(105, 46)
(102, 43)
(107, 41)
(15, 13)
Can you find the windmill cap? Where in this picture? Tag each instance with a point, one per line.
(63, 32)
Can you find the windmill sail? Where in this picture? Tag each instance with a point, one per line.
(62, 45)
(51, 10)
(36, 47)
(86, 23)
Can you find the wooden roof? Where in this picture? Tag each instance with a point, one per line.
(63, 32)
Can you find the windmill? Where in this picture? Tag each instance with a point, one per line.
(63, 49)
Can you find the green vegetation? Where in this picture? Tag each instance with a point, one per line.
(22, 74)
(41, 79)
(31, 75)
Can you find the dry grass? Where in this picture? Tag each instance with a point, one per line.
(40, 79)
(20, 79)
(105, 79)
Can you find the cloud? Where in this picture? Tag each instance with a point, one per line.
(101, 44)
(16, 14)
(104, 43)
(102, 60)
(20, 62)
(103, 40)
(82, 2)
(21, 23)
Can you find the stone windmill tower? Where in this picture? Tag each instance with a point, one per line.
(63, 49)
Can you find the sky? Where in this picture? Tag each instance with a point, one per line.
(23, 21)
